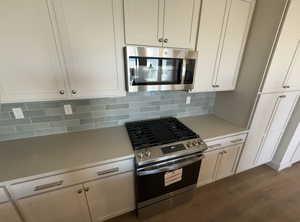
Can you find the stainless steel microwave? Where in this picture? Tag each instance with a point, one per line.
(159, 69)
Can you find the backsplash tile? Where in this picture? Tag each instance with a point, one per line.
(46, 118)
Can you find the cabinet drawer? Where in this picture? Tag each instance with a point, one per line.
(227, 141)
(3, 196)
(33, 187)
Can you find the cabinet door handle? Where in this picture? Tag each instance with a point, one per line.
(61, 92)
(49, 185)
(79, 191)
(160, 39)
(86, 189)
(282, 96)
(214, 146)
(166, 40)
(236, 141)
(74, 92)
(103, 172)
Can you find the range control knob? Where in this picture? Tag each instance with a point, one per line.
(148, 154)
(141, 155)
(188, 145)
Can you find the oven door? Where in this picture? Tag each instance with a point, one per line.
(154, 183)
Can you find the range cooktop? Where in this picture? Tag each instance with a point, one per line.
(156, 132)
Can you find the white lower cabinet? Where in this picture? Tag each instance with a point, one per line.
(87, 195)
(110, 196)
(270, 119)
(68, 204)
(8, 213)
(219, 164)
(94, 201)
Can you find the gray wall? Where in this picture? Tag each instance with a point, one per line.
(236, 106)
(45, 118)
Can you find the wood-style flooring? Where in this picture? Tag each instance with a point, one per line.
(258, 195)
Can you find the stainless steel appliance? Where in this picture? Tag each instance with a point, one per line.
(157, 69)
(168, 159)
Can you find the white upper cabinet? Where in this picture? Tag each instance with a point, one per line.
(181, 23)
(268, 125)
(284, 69)
(223, 31)
(30, 67)
(167, 23)
(143, 22)
(91, 35)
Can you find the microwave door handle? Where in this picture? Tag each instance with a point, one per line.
(183, 71)
(171, 167)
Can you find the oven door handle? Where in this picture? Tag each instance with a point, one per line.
(171, 167)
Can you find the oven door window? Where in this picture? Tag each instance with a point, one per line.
(154, 185)
(160, 71)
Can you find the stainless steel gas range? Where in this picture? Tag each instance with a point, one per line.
(168, 158)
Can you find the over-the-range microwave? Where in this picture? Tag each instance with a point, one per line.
(159, 69)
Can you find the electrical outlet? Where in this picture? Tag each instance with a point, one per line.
(18, 113)
(188, 100)
(68, 109)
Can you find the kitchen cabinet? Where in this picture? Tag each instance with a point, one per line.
(228, 159)
(91, 38)
(284, 68)
(68, 204)
(107, 200)
(84, 195)
(221, 162)
(8, 213)
(164, 23)
(208, 167)
(30, 66)
(222, 36)
(269, 121)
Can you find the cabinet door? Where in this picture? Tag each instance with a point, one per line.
(63, 205)
(92, 40)
(111, 196)
(285, 64)
(8, 213)
(233, 43)
(277, 125)
(210, 30)
(30, 67)
(261, 118)
(208, 167)
(228, 161)
(143, 22)
(269, 122)
(181, 23)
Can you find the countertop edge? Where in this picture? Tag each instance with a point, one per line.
(63, 171)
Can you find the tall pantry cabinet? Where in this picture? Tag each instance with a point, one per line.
(278, 96)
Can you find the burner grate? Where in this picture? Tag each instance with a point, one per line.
(158, 132)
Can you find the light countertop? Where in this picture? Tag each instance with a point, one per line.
(60, 153)
(211, 127)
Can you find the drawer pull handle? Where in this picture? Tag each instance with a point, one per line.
(47, 186)
(214, 146)
(103, 172)
(236, 141)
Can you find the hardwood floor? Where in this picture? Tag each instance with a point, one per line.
(258, 195)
